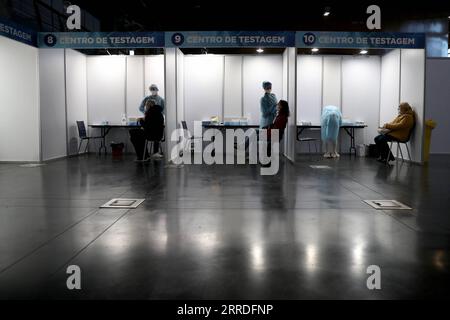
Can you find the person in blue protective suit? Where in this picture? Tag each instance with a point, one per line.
(155, 97)
(268, 106)
(331, 124)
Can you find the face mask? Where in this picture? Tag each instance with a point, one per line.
(154, 93)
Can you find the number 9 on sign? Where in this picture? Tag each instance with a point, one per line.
(177, 39)
(309, 39)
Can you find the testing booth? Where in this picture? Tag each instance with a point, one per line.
(51, 82)
(366, 75)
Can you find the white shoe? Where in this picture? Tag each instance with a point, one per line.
(335, 155)
(327, 155)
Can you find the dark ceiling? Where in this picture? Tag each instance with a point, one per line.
(136, 15)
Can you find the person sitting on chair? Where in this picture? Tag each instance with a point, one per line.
(397, 130)
(152, 130)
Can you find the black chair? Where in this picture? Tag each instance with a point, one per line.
(82, 134)
(309, 141)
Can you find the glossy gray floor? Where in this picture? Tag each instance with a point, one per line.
(224, 232)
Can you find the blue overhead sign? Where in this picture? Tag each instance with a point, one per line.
(360, 40)
(101, 40)
(14, 31)
(230, 39)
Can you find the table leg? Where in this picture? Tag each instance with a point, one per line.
(351, 133)
(299, 133)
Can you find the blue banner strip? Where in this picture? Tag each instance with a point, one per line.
(16, 32)
(230, 39)
(360, 40)
(101, 40)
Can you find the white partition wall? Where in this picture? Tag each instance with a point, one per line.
(171, 98)
(361, 94)
(390, 86)
(106, 88)
(309, 88)
(233, 99)
(203, 86)
(257, 69)
(135, 86)
(52, 103)
(332, 76)
(76, 96)
(291, 130)
(19, 102)
(412, 90)
(154, 73)
(180, 88)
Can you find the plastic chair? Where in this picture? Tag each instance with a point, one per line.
(82, 135)
(189, 139)
(399, 142)
(309, 140)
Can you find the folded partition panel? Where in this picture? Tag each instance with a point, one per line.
(309, 88)
(233, 86)
(136, 90)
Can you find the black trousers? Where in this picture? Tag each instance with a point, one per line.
(382, 145)
(137, 137)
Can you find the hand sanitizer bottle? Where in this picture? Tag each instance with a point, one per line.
(124, 119)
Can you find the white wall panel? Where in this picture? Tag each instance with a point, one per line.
(412, 90)
(291, 132)
(309, 88)
(106, 88)
(106, 95)
(233, 86)
(332, 81)
(203, 87)
(76, 91)
(171, 98)
(19, 102)
(154, 73)
(135, 85)
(256, 70)
(52, 103)
(390, 86)
(437, 103)
(180, 88)
(361, 94)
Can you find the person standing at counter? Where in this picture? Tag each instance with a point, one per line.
(155, 97)
(331, 123)
(268, 106)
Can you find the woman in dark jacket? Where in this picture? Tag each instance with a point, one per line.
(152, 130)
(280, 123)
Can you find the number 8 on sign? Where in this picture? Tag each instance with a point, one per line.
(50, 40)
(309, 39)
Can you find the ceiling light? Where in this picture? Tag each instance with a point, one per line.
(327, 12)
(131, 52)
(260, 50)
(315, 50)
(363, 52)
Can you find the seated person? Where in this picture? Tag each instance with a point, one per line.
(331, 125)
(152, 130)
(397, 130)
(280, 123)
